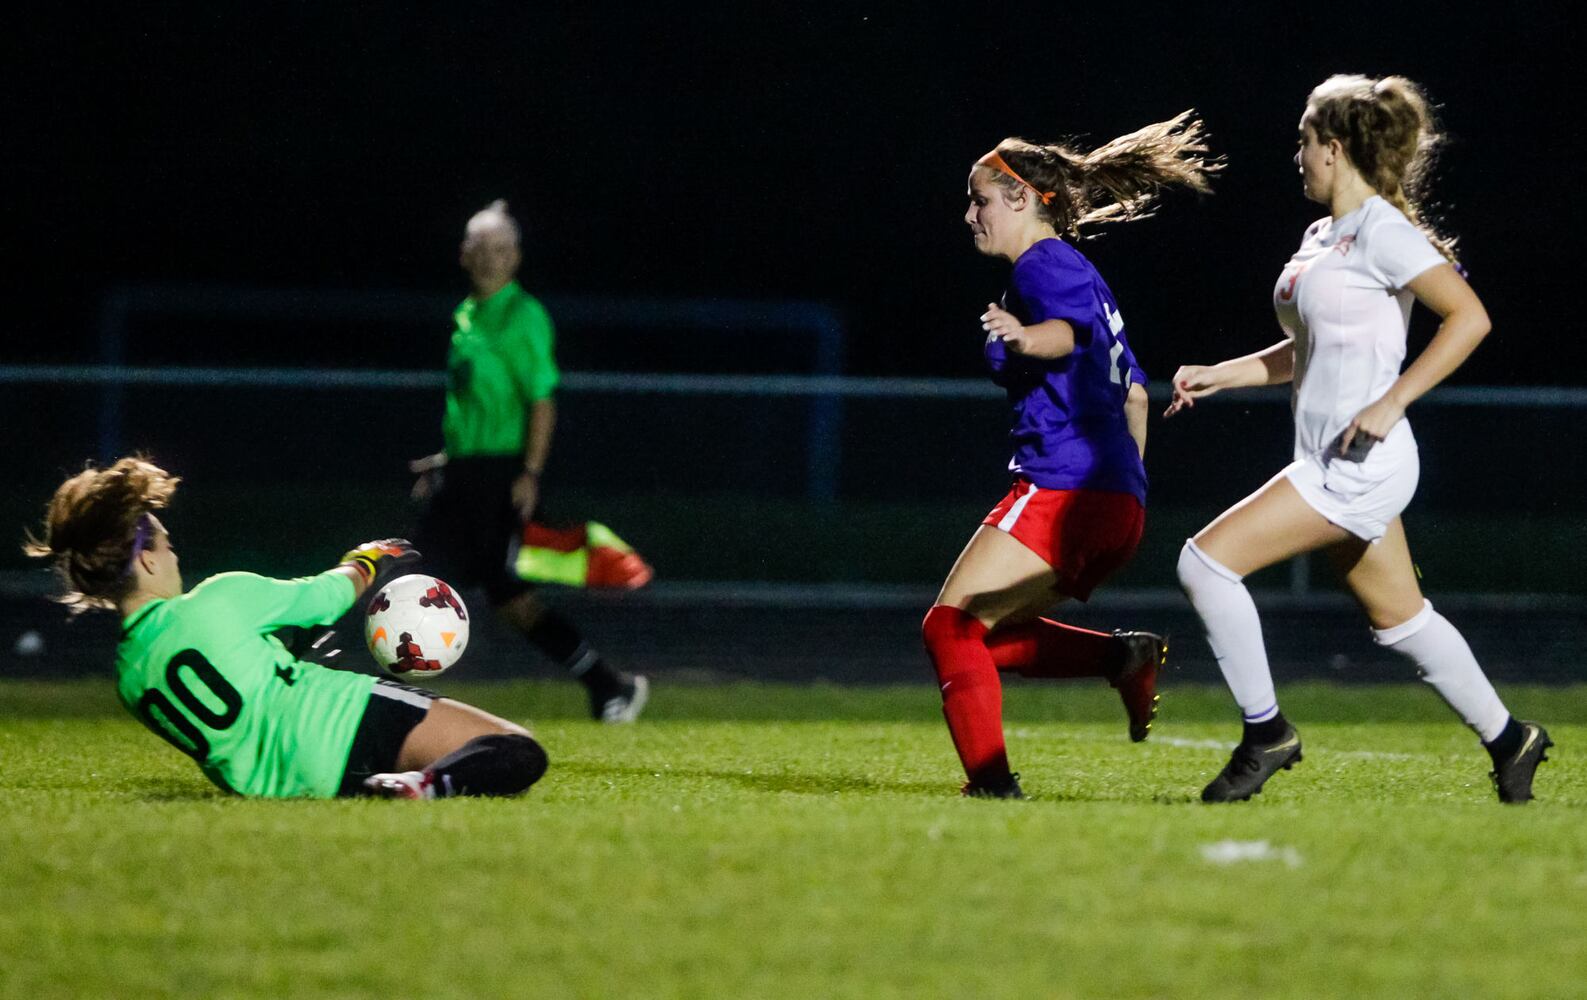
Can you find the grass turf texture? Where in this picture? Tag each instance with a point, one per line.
(753, 840)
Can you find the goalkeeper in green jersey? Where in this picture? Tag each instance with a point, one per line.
(201, 669)
(483, 489)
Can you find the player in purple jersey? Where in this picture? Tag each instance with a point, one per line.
(1077, 507)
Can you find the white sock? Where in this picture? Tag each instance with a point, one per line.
(1445, 661)
(1233, 630)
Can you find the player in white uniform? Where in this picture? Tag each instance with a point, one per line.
(1344, 301)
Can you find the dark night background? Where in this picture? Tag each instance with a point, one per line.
(715, 151)
(772, 152)
(815, 153)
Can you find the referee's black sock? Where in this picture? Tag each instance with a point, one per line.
(1265, 732)
(556, 637)
(497, 764)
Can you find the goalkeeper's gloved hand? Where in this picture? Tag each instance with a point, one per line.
(379, 561)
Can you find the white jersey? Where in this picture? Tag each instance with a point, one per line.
(1342, 299)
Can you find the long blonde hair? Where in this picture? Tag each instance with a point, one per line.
(90, 525)
(1387, 128)
(1118, 180)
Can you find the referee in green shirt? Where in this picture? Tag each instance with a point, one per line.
(485, 485)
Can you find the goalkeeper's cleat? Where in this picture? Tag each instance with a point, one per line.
(624, 706)
(401, 785)
(997, 788)
(1513, 778)
(1146, 654)
(1250, 766)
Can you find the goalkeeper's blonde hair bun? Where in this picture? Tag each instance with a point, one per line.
(89, 527)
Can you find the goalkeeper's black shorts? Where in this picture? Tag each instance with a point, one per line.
(394, 709)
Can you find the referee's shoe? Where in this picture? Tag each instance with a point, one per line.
(1251, 765)
(626, 704)
(1512, 777)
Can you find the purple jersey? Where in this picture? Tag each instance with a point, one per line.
(1069, 431)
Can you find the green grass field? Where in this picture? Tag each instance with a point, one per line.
(771, 841)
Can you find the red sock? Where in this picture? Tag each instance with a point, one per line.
(972, 695)
(1045, 648)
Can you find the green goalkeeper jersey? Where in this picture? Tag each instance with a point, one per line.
(203, 672)
(501, 362)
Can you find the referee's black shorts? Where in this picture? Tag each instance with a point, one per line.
(466, 531)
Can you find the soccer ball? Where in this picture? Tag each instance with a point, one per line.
(416, 627)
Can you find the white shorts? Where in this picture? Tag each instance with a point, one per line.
(1361, 497)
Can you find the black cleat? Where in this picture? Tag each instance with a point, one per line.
(1007, 789)
(1513, 779)
(1137, 681)
(1250, 766)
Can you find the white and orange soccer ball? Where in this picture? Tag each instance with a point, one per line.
(416, 627)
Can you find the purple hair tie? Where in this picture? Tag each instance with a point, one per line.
(140, 541)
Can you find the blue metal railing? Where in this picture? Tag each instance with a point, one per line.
(124, 306)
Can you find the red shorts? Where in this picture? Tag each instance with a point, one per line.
(1084, 535)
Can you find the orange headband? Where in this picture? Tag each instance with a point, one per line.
(996, 162)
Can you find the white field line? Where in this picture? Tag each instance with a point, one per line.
(1181, 743)
(1177, 741)
(1230, 852)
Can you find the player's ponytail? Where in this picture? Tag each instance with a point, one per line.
(90, 526)
(1117, 181)
(1389, 131)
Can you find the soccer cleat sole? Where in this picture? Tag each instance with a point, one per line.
(1141, 728)
(399, 785)
(1139, 734)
